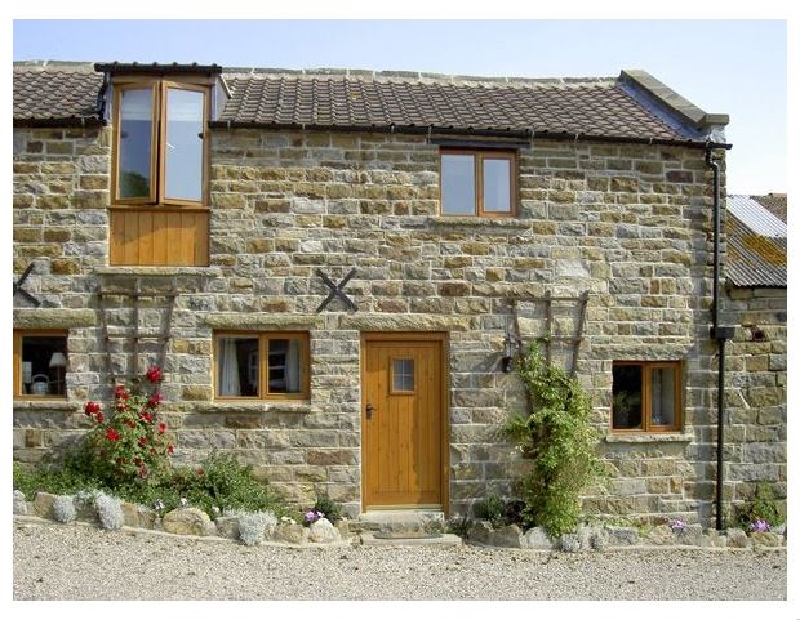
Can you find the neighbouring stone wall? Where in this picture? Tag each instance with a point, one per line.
(628, 224)
(755, 381)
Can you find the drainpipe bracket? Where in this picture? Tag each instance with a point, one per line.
(722, 332)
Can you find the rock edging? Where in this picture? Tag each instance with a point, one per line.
(612, 537)
(111, 513)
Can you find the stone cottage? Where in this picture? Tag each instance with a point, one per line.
(334, 266)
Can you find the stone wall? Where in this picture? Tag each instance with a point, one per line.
(756, 370)
(628, 224)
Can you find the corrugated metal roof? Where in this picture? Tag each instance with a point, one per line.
(756, 245)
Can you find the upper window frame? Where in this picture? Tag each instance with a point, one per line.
(646, 390)
(480, 155)
(159, 87)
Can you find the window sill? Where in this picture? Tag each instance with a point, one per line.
(475, 221)
(47, 404)
(211, 272)
(279, 406)
(649, 438)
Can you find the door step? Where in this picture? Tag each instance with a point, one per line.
(444, 540)
(402, 524)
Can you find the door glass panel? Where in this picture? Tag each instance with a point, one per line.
(627, 397)
(497, 185)
(663, 396)
(135, 143)
(458, 184)
(183, 165)
(402, 375)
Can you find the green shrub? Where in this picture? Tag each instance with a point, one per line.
(559, 439)
(331, 509)
(492, 508)
(763, 506)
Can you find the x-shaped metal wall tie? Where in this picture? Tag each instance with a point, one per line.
(336, 290)
(18, 286)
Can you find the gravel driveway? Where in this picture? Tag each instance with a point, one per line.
(80, 562)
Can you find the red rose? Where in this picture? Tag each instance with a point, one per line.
(121, 392)
(130, 423)
(142, 441)
(112, 435)
(99, 417)
(170, 449)
(146, 417)
(154, 374)
(91, 408)
(154, 400)
(161, 428)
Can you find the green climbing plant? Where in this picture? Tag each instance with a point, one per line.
(557, 436)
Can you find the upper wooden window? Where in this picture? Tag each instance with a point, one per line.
(647, 396)
(40, 364)
(160, 151)
(478, 183)
(262, 365)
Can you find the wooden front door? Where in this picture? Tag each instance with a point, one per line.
(403, 421)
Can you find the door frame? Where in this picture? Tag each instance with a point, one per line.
(444, 430)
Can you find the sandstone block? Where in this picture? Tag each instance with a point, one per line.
(191, 521)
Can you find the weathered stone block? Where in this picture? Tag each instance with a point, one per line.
(192, 521)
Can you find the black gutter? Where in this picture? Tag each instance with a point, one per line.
(720, 334)
(73, 121)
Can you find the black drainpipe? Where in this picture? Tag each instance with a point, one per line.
(720, 334)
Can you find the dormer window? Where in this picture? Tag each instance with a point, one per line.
(159, 139)
(159, 213)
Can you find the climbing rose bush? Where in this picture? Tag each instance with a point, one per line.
(132, 445)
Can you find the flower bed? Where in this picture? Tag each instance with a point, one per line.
(251, 528)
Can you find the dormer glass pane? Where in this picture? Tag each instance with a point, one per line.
(184, 145)
(135, 143)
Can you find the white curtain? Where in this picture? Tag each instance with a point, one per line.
(228, 368)
(293, 366)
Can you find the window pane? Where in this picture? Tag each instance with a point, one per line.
(184, 148)
(284, 366)
(663, 396)
(237, 366)
(497, 185)
(458, 184)
(402, 375)
(44, 365)
(135, 142)
(627, 391)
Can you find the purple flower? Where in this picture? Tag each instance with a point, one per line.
(760, 525)
(677, 525)
(311, 516)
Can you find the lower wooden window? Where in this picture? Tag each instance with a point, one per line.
(159, 236)
(261, 365)
(40, 364)
(647, 396)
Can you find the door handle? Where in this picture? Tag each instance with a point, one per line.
(370, 409)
